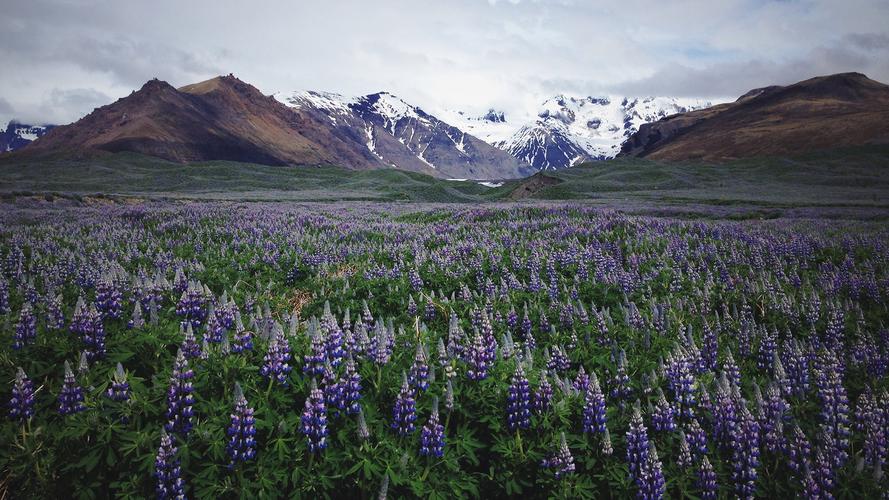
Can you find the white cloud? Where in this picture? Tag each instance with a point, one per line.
(468, 54)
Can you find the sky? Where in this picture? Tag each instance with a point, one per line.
(62, 58)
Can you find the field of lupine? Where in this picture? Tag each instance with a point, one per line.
(279, 350)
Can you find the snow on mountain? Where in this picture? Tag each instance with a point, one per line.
(567, 130)
(404, 136)
(18, 135)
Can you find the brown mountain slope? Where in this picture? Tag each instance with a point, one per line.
(841, 110)
(219, 119)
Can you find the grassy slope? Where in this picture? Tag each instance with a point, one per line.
(848, 177)
(858, 177)
(131, 174)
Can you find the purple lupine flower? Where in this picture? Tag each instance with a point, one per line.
(651, 477)
(241, 445)
(87, 323)
(71, 396)
(558, 360)
(432, 439)
(518, 401)
(21, 404)
(352, 387)
(582, 380)
(685, 458)
(731, 370)
(4, 296)
(744, 445)
(706, 480)
(710, 349)
(697, 438)
(415, 281)
(136, 321)
(120, 388)
(215, 328)
(180, 398)
(55, 318)
(192, 305)
(543, 396)
(594, 419)
(561, 461)
(190, 346)
(26, 328)
(620, 382)
(314, 420)
(334, 392)
(314, 361)
(404, 413)
(419, 373)
(637, 447)
(363, 431)
(411, 306)
(662, 416)
(275, 362)
(243, 338)
(333, 337)
(108, 298)
(799, 450)
(170, 484)
(478, 359)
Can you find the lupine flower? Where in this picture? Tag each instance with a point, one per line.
(87, 323)
(518, 401)
(363, 431)
(419, 373)
(710, 349)
(744, 444)
(543, 396)
(136, 321)
(21, 404)
(594, 418)
(167, 471)
(26, 328)
(561, 461)
(662, 415)
(108, 298)
(243, 338)
(275, 362)
(314, 360)
(215, 329)
(432, 438)
(684, 459)
(651, 477)
(334, 392)
(71, 396)
(190, 346)
(120, 388)
(620, 382)
(637, 447)
(241, 443)
(404, 412)
(352, 388)
(478, 359)
(179, 397)
(706, 480)
(314, 420)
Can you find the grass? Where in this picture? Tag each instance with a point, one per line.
(842, 178)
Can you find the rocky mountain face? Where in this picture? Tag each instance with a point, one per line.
(18, 135)
(406, 137)
(827, 112)
(569, 130)
(219, 119)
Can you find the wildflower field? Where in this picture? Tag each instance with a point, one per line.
(224, 350)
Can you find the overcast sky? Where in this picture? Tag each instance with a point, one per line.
(62, 58)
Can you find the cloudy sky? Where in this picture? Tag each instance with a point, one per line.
(62, 58)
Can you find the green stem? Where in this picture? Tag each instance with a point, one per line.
(518, 439)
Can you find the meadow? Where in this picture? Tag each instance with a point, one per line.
(261, 350)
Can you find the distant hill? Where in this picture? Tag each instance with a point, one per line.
(821, 113)
(219, 119)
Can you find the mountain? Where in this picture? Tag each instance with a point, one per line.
(569, 130)
(842, 110)
(219, 119)
(406, 137)
(18, 135)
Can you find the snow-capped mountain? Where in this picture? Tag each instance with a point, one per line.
(567, 130)
(406, 137)
(18, 135)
